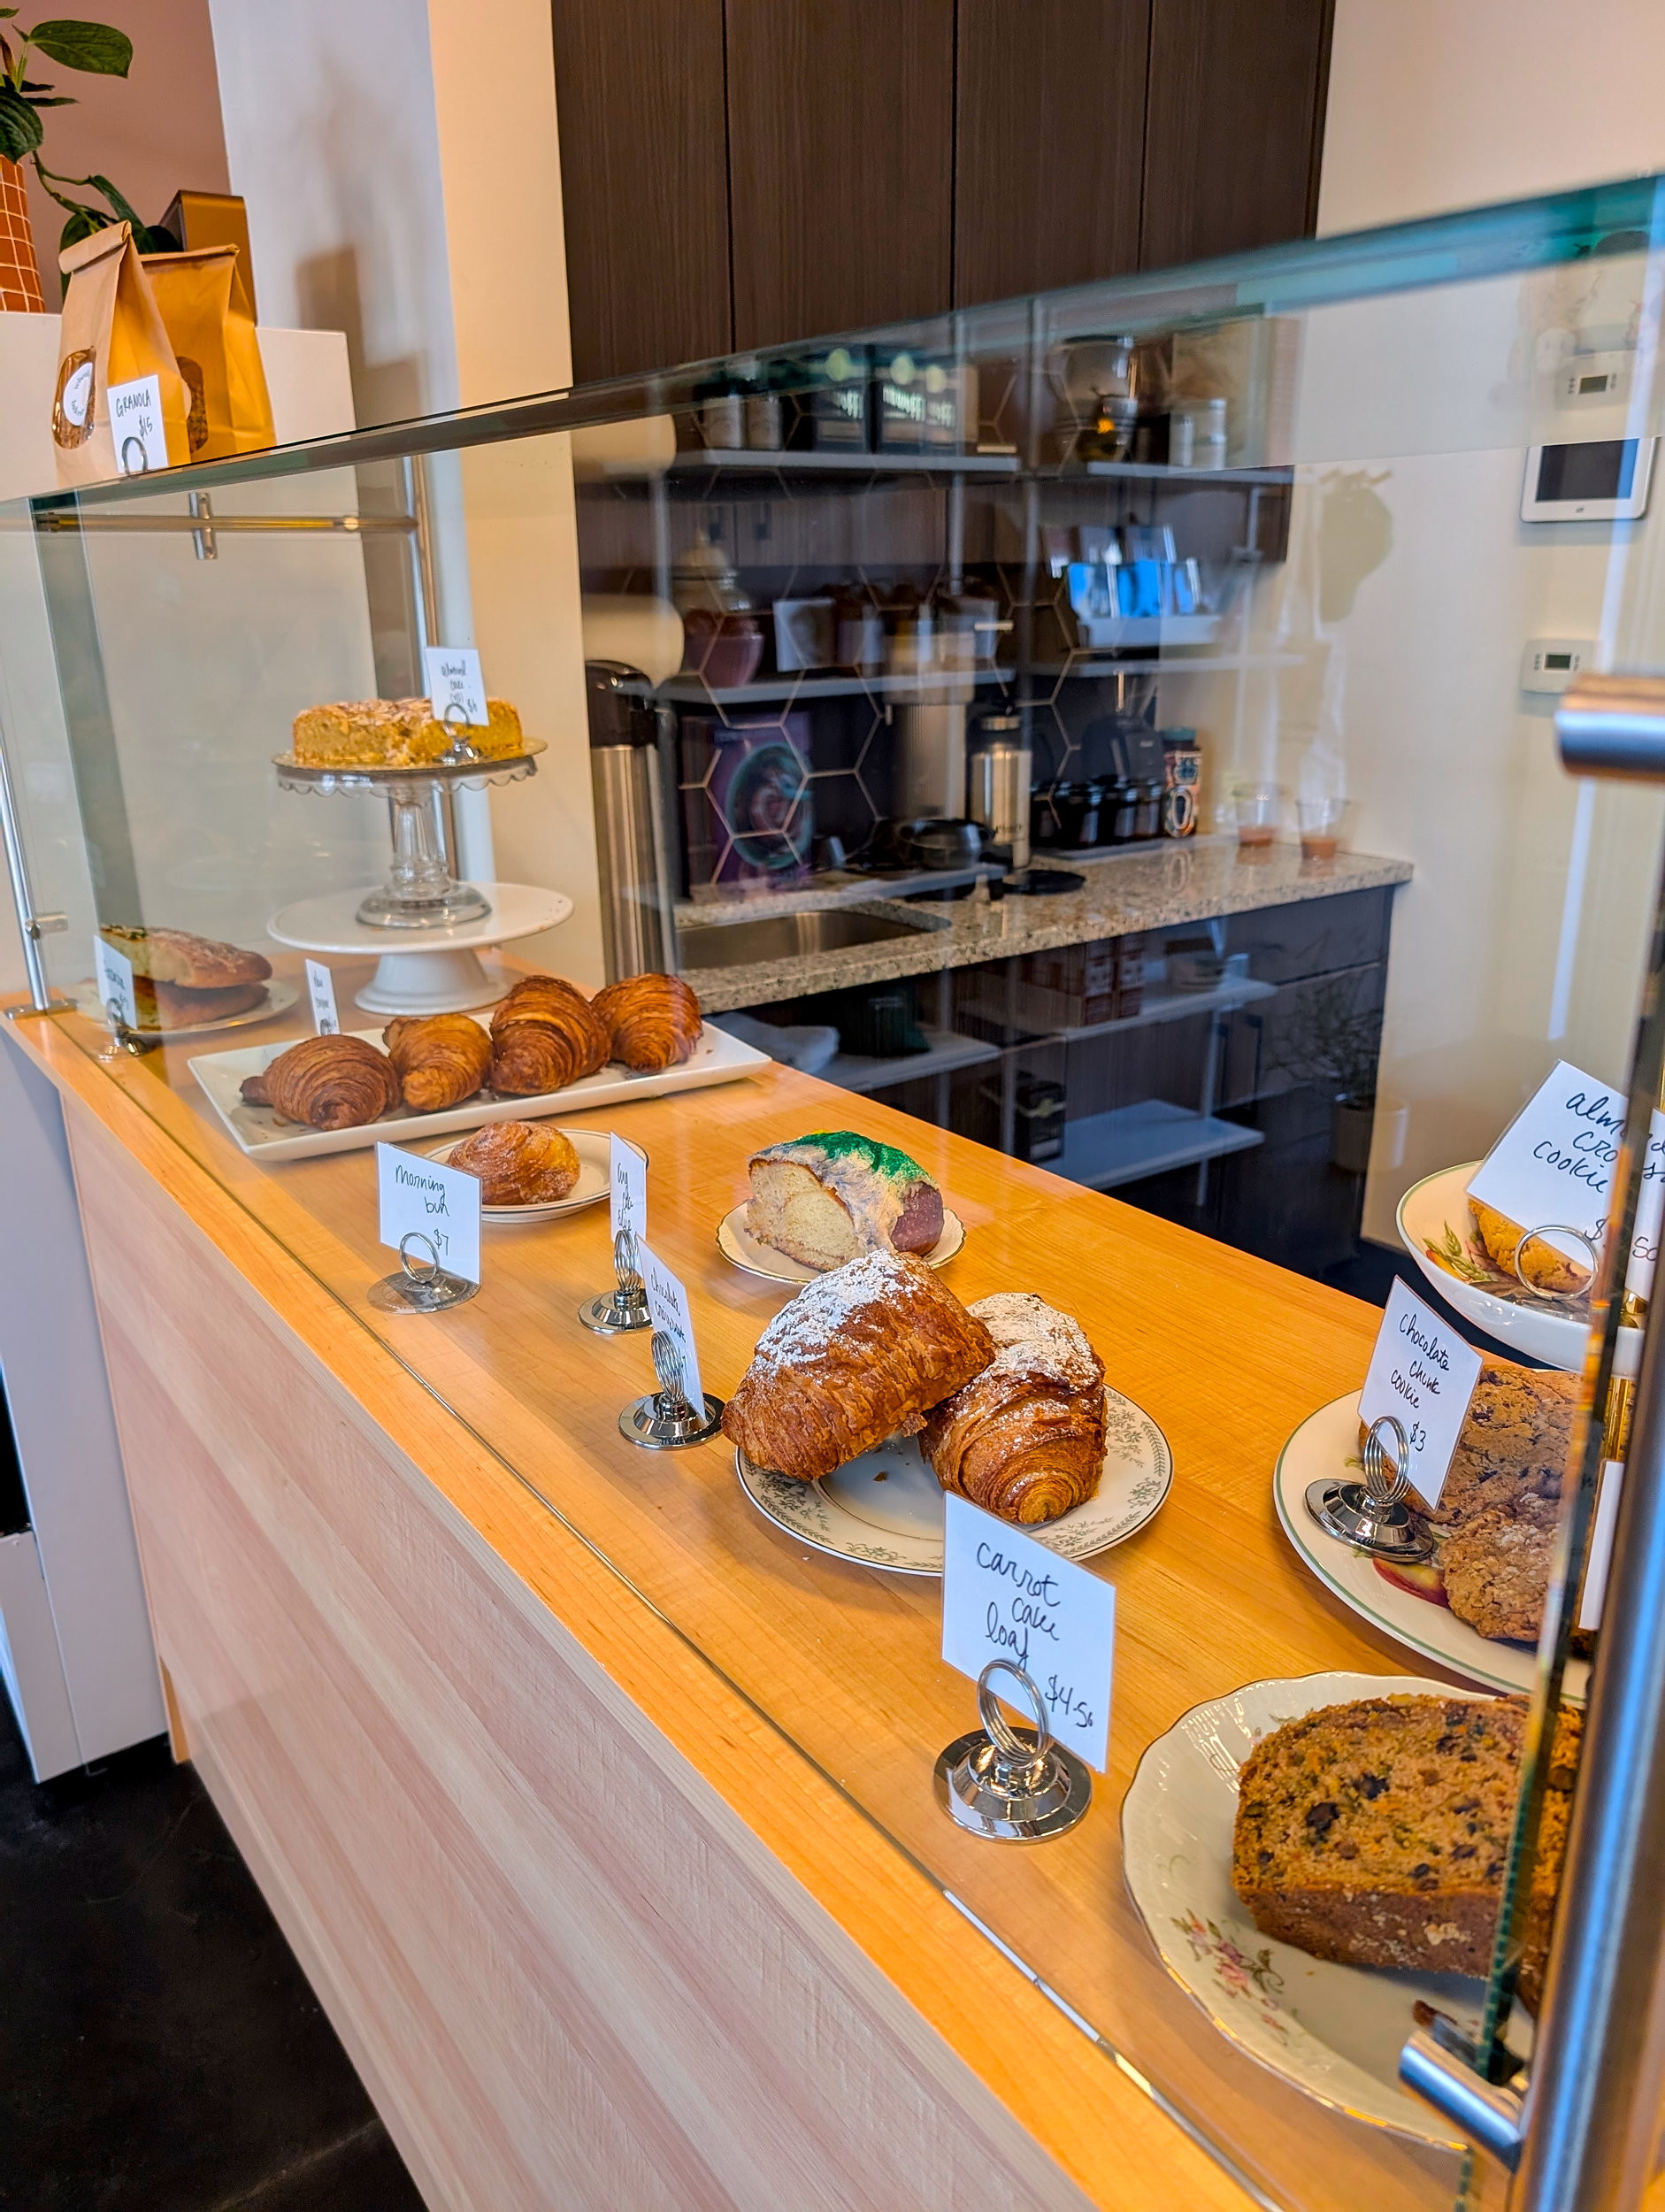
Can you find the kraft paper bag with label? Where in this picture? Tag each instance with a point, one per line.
(112, 335)
(204, 305)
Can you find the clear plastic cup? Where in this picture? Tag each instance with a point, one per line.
(1259, 810)
(1324, 827)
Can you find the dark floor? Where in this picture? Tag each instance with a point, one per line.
(160, 2050)
(1371, 1274)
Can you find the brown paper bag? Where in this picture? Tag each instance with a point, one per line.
(204, 305)
(112, 341)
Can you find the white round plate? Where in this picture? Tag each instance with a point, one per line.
(1334, 2032)
(331, 924)
(736, 1243)
(595, 1162)
(1437, 1229)
(1325, 1448)
(885, 1508)
(278, 999)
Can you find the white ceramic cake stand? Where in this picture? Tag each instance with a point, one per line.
(422, 971)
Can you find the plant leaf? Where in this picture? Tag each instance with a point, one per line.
(151, 238)
(81, 225)
(98, 48)
(20, 131)
(125, 213)
(61, 100)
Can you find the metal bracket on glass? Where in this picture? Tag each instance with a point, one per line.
(1012, 1785)
(1443, 2067)
(665, 1420)
(1373, 1515)
(619, 1311)
(420, 1287)
(1542, 1236)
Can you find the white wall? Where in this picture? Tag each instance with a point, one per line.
(1521, 938)
(402, 177)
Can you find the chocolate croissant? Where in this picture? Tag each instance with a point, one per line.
(440, 1059)
(327, 1082)
(1025, 1437)
(653, 1021)
(544, 1035)
(520, 1163)
(861, 1354)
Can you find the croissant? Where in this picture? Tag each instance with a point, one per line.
(1025, 1437)
(861, 1353)
(544, 1035)
(653, 1021)
(440, 1059)
(520, 1163)
(328, 1082)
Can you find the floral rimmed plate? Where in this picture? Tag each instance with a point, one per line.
(1335, 2031)
(885, 1508)
(1325, 1448)
(737, 1244)
(1437, 1229)
(595, 1179)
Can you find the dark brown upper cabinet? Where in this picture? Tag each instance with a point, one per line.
(1050, 142)
(640, 100)
(841, 133)
(1234, 125)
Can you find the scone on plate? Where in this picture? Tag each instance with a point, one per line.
(824, 1199)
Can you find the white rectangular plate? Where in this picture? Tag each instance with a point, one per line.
(717, 1058)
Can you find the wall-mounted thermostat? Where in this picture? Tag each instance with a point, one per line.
(1593, 379)
(1597, 480)
(1550, 663)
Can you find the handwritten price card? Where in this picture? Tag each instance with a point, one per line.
(321, 989)
(440, 1204)
(1423, 1374)
(114, 972)
(1553, 1164)
(668, 1303)
(457, 690)
(628, 1206)
(1004, 1597)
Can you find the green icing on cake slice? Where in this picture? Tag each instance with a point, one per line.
(883, 1159)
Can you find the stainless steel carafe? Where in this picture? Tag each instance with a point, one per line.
(638, 927)
(1000, 768)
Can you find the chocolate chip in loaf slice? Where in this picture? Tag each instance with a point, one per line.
(1376, 1833)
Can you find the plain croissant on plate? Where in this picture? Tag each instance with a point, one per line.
(440, 1059)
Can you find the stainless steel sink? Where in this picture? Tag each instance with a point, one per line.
(789, 936)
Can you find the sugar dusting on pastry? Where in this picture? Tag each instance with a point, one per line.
(821, 1307)
(1029, 1334)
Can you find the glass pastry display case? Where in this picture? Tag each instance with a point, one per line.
(1101, 743)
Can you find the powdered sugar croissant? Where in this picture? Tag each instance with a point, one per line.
(1025, 1437)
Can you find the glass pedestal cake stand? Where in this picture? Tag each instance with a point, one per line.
(425, 928)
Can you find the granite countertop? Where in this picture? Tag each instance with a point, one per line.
(1190, 880)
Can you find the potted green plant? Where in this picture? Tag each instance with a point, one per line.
(1332, 1041)
(97, 50)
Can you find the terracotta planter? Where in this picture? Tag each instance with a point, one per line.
(19, 272)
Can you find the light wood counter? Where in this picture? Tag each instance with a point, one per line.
(599, 1810)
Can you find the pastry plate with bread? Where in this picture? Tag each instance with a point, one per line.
(875, 1390)
(820, 1200)
(1333, 2030)
(883, 1507)
(180, 1020)
(715, 1058)
(187, 986)
(1488, 1560)
(1467, 1255)
(532, 1171)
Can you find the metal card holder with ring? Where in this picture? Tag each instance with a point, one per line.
(462, 747)
(420, 1289)
(1373, 1516)
(1011, 1784)
(665, 1420)
(1541, 1236)
(623, 1309)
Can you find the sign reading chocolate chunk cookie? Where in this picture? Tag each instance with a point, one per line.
(1004, 1597)
(668, 1303)
(1422, 1376)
